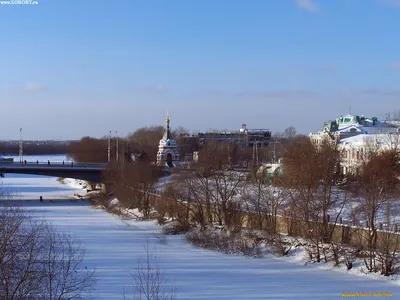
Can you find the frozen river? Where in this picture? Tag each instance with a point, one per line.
(114, 245)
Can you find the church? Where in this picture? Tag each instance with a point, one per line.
(167, 155)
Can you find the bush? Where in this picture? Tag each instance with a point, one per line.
(174, 228)
(222, 240)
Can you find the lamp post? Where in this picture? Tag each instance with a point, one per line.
(116, 134)
(109, 146)
(21, 152)
(275, 142)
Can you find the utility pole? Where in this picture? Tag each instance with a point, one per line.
(257, 153)
(109, 146)
(254, 154)
(21, 152)
(274, 159)
(229, 154)
(116, 134)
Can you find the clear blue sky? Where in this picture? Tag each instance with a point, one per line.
(70, 68)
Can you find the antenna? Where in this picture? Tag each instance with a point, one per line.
(350, 109)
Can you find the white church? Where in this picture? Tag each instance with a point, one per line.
(167, 155)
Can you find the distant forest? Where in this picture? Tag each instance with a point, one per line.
(34, 147)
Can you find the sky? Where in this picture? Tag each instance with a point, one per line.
(73, 68)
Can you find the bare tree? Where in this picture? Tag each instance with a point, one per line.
(309, 176)
(264, 200)
(290, 132)
(66, 277)
(145, 141)
(88, 149)
(149, 280)
(38, 263)
(228, 209)
(134, 184)
(190, 194)
(389, 245)
(377, 184)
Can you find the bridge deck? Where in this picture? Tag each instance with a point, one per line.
(84, 171)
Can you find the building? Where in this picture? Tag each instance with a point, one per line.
(354, 150)
(242, 138)
(356, 136)
(187, 145)
(167, 154)
(352, 125)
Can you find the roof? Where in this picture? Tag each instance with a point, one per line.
(361, 139)
(167, 134)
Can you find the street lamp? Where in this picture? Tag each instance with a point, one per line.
(109, 146)
(275, 142)
(21, 153)
(116, 134)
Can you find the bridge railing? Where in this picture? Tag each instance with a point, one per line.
(50, 164)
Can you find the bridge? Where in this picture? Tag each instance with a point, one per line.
(84, 171)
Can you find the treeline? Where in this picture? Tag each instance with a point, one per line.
(143, 143)
(34, 147)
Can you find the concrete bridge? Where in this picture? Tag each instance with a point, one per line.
(84, 171)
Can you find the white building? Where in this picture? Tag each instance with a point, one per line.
(358, 148)
(351, 125)
(167, 154)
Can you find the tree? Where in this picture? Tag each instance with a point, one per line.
(376, 186)
(309, 176)
(149, 280)
(89, 149)
(145, 140)
(264, 200)
(134, 184)
(190, 195)
(38, 263)
(290, 132)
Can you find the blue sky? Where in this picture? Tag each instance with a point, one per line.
(71, 68)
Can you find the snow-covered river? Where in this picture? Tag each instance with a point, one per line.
(114, 245)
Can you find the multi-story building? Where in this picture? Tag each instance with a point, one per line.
(243, 137)
(352, 125)
(188, 144)
(356, 137)
(354, 150)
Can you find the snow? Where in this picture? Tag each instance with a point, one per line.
(361, 139)
(113, 246)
